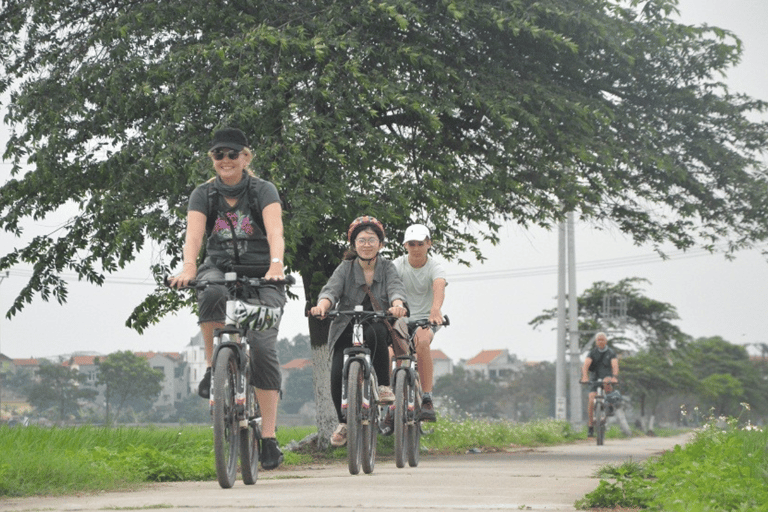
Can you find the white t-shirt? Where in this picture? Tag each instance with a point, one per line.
(418, 284)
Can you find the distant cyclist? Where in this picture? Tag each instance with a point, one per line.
(603, 363)
(425, 282)
(364, 278)
(242, 217)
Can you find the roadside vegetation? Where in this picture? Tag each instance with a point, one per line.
(723, 468)
(55, 461)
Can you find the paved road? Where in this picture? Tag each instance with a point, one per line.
(521, 479)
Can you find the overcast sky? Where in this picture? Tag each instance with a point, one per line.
(490, 305)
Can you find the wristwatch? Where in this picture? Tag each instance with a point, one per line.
(277, 260)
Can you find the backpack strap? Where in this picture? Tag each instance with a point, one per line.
(253, 205)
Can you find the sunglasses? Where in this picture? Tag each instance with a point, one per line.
(231, 154)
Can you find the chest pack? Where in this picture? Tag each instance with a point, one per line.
(214, 198)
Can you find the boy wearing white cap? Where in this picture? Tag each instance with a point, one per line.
(425, 282)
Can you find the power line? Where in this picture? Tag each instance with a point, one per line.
(587, 265)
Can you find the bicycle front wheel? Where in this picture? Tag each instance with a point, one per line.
(225, 427)
(414, 427)
(599, 422)
(249, 440)
(354, 417)
(369, 430)
(401, 404)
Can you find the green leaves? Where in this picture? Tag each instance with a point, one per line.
(458, 114)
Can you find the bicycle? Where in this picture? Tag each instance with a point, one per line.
(600, 409)
(407, 429)
(359, 393)
(234, 408)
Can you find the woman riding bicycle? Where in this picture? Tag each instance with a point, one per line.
(242, 216)
(363, 270)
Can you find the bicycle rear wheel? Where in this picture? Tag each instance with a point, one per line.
(249, 440)
(599, 422)
(401, 404)
(414, 426)
(225, 427)
(370, 429)
(354, 417)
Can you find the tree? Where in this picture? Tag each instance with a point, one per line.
(649, 323)
(59, 388)
(127, 377)
(715, 357)
(472, 395)
(298, 348)
(298, 390)
(650, 376)
(460, 115)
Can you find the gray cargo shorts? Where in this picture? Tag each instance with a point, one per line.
(212, 306)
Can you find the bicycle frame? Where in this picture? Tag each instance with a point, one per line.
(359, 352)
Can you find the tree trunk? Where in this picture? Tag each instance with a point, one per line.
(325, 415)
(651, 421)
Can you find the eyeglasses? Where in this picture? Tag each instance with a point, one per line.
(367, 241)
(231, 154)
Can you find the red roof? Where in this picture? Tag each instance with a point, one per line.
(25, 362)
(81, 360)
(485, 357)
(150, 355)
(297, 364)
(438, 354)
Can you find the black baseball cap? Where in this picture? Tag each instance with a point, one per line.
(229, 138)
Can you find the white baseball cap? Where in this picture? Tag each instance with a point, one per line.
(416, 233)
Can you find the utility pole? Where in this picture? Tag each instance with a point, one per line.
(2, 375)
(567, 325)
(560, 408)
(573, 325)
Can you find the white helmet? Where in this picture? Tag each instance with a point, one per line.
(256, 316)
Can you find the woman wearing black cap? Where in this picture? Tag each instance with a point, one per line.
(242, 216)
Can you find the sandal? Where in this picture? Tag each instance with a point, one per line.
(339, 437)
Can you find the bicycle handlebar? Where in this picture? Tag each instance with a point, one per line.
(362, 314)
(600, 382)
(251, 281)
(425, 322)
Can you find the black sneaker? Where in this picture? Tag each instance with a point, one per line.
(204, 389)
(427, 410)
(271, 456)
(590, 431)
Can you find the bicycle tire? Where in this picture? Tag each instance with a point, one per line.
(225, 426)
(354, 417)
(370, 430)
(250, 438)
(599, 422)
(401, 404)
(414, 426)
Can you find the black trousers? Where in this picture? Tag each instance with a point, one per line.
(376, 337)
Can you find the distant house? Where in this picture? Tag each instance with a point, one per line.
(441, 364)
(495, 364)
(194, 356)
(85, 365)
(293, 366)
(174, 385)
(17, 366)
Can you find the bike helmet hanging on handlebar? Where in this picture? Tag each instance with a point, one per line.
(256, 317)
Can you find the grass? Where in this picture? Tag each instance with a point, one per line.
(723, 468)
(41, 461)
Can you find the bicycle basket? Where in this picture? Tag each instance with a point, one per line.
(257, 317)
